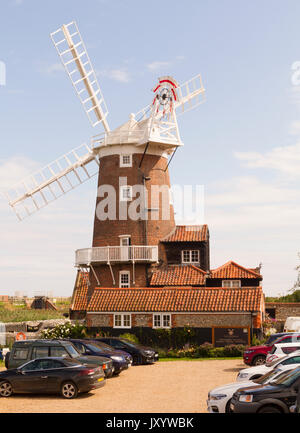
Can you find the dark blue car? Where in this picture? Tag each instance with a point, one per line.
(1, 355)
(121, 360)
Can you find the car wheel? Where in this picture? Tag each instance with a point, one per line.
(137, 360)
(6, 360)
(270, 409)
(69, 390)
(259, 360)
(227, 408)
(5, 389)
(256, 376)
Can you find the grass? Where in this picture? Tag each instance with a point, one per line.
(1, 364)
(199, 359)
(17, 313)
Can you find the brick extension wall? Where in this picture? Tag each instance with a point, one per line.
(178, 320)
(283, 310)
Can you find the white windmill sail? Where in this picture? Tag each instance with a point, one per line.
(73, 54)
(190, 95)
(53, 181)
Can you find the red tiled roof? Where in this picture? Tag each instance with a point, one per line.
(188, 234)
(233, 270)
(176, 299)
(178, 275)
(81, 291)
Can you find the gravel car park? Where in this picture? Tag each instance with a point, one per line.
(163, 387)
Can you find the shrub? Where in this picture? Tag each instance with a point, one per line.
(67, 330)
(257, 342)
(131, 337)
(203, 351)
(206, 350)
(233, 350)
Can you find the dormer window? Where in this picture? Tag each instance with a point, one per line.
(190, 256)
(231, 283)
(126, 160)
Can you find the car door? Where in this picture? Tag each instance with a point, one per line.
(51, 375)
(28, 378)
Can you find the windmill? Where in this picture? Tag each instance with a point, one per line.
(146, 142)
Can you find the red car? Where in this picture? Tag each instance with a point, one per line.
(256, 355)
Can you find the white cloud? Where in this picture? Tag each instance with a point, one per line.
(121, 74)
(246, 190)
(285, 159)
(252, 221)
(51, 69)
(13, 170)
(157, 65)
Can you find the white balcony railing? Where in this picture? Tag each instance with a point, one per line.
(141, 253)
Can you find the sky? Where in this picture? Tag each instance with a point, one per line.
(242, 144)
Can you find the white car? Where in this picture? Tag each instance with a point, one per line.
(252, 373)
(280, 350)
(292, 324)
(219, 398)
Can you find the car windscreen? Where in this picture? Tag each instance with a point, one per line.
(97, 348)
(128, 343)
(72, 351)
(103, 345)
(268, 376)
(272, 338)
(287, 379)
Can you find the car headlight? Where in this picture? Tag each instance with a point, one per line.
(217, 396)
(117, 358)
(246, 398)
(242, 375)
(147, 353)
(249, 351)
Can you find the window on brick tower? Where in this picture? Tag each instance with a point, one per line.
(125, 160)
(126, 193)
(190, 256)
(231, 283)
(124, 279)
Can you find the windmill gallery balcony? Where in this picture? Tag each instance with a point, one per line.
(141, 253)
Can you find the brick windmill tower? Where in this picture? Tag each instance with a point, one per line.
(133, 206)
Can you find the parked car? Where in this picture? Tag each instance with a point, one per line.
(86, 347)
(292, 324)
(65, 376)
(26, 350)
(252, 373)
(256, 355)
(280, 350)
(105, 346)
(140, 354)
(1, 355)
(277, 396)
(219, 399)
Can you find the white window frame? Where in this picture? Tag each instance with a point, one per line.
(125, 164)
(229, 284)
(120, 279)
(122, 317)
(161, 319)
(122, 237)
(190, 256)
(122, 189)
